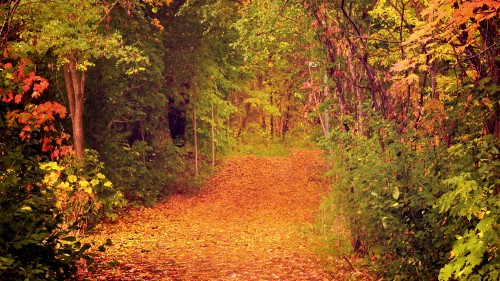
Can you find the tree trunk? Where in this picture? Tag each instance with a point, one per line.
(213, 135)
(74, 88)
(244, 120)
(195, 137)
(271, 118)
(284, 129)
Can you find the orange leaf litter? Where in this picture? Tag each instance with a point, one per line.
(250, 222)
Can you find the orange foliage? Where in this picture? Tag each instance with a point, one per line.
(33, 118)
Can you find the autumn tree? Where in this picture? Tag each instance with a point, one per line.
(31, 227)
(70, 32)
(415, 100)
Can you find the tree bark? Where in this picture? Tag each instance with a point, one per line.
(212, 129)
(271, 118)
(195, 137)
(74, 89)
(244, 120)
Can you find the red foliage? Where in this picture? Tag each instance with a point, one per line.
(23, 87)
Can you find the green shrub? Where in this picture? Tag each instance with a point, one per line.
(33, 246)
(142, 172)
(387, 193)
(473, 196)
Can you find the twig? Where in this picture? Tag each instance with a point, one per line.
(107, 13)
(352, 22)
(377, 39)
(348, 262)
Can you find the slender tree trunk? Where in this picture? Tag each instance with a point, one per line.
(271, 118)
(74, 88)
(213, 136)
(143, 139)
(286, 121)
(326, 97)
(195, 137)
(244, 120)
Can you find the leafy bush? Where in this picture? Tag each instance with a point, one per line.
(33, 246)
(473, 197)
(144, 172)
(387, 192)
(82, 191)
(38, 211)
(43, 206)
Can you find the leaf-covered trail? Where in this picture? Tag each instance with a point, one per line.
(252, 221)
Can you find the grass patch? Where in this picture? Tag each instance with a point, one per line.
(268, 147)
(333, 238)
(262, 149)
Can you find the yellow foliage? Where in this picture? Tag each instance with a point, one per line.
(72, 178)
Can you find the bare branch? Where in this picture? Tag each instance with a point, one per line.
(351, 22)
(108, 12)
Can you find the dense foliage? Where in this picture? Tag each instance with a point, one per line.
(43, 203)
(404, 94)
(414, 144)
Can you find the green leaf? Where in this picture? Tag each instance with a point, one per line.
(69, 239)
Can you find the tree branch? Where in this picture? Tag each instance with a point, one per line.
(108, 12)
(351, 22)
(5, 30)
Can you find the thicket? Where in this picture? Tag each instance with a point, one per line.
(422, 210)
(44, 203)
(406, 95)
(414, 141)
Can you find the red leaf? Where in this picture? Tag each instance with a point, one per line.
(18, 98)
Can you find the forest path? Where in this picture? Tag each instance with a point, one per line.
(252, 221)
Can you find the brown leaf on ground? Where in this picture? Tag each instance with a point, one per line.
(251, 222)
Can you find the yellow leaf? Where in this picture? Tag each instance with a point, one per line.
(412, 78)
(94, 182)
(402, 65)
(108, 184)
(84, 183)
(88, 190)
(64, 185)
(72, 178)
(51, 166)
(26, 208)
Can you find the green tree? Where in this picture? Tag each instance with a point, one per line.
(70, 32)
(278, 47)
